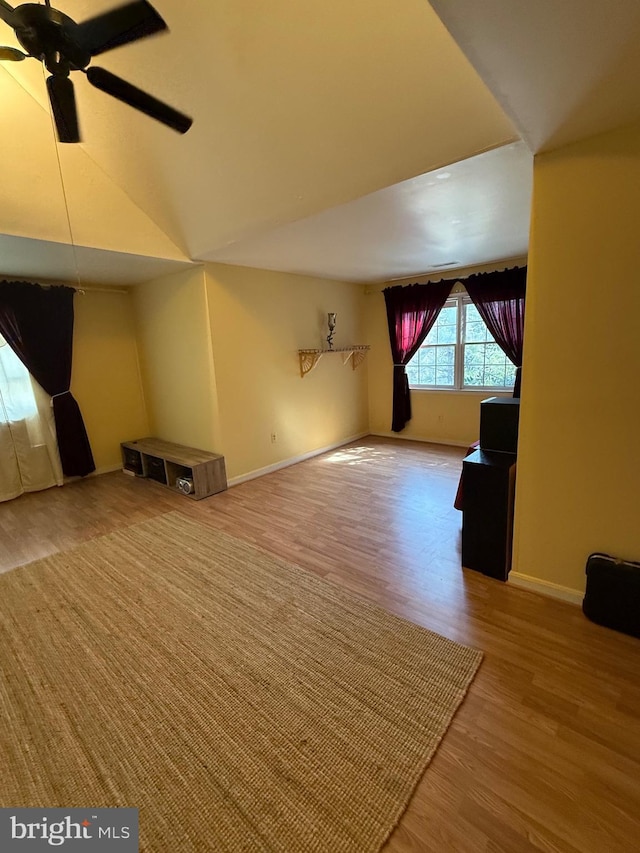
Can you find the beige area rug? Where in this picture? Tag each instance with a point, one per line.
(241, 703)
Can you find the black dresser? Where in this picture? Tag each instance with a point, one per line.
(489, 476)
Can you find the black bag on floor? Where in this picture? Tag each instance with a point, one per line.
(612, 597)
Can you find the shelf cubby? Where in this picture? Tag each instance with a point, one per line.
(167, 463)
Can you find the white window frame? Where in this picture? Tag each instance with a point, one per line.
(460, 300)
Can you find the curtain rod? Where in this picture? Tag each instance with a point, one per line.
(461, 273)
(87, 288)
(82, 289)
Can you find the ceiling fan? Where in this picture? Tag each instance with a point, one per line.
(64, 46)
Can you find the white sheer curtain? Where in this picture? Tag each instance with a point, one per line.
(29, 458)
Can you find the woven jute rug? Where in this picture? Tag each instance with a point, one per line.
(241, 703)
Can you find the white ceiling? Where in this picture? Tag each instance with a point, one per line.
(320, 136)
(562, 70)
(472, 212)
(63, 263)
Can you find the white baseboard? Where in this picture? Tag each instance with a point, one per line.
(553, 590)
(106, 469)
(285, 463)
(423, 439)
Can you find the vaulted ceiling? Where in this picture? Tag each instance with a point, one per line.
(316, 127)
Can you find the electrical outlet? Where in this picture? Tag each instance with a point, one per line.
(274, 438)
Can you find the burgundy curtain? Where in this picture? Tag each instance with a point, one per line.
(37, 323)
(411, 312)
(499, 298)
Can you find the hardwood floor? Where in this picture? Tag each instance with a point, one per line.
(544, 753)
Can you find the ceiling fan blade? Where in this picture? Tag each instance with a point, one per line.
(63, 105)
(6, 13)
(119, 26)
(139, 100)
(11, 54)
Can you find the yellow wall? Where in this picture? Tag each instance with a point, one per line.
(105, 379)
(176, 360)
(259, 320)
(446, 417)
(578, 468)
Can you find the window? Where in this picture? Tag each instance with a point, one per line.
(17, 401)
(460, 353)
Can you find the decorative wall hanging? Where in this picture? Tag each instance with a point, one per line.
(331, 322)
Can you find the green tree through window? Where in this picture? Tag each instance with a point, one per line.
(459, 352)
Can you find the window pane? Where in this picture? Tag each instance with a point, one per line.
(446, 334)
(474, 327)
(473, 376)
(444, 329)
(19, 402)
(486, 364)
(427, 376)
(413, 372)
(444, 365)
(474, 364)
(494, 376)
(474, 355)
(424, 356)
(448, 316)
(494, 354)
(509, 374)
(444, 375)
(446, 355)
(472, 314)
(476, 332)
(422, 369)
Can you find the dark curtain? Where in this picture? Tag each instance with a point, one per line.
(37, 323)
(499, 298)
(411, 312)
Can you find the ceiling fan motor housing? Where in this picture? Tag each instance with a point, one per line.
(51, 36)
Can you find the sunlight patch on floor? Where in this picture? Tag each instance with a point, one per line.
(357, 455)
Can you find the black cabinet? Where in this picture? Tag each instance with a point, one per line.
(499, 418)
(487, 526)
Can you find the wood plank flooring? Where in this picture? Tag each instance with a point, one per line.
(544, 753)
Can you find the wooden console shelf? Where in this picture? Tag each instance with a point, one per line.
(310, 357)
(169, 463)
